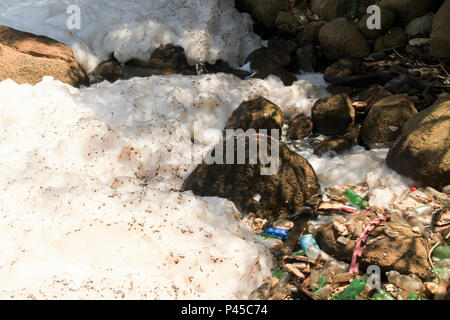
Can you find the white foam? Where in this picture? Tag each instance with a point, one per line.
(356, 166)
(207, 29)
(89, 205)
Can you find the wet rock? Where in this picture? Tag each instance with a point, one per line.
(223, 67)
(281, 45)
(385, 119)
(286, 77)
(258, 113)
(300, 127)
(307, 58)
(334, 115)
(440, 35)
(406, 10)
(263, 11)
(165, 57)
(309, 34)
(420, 26)
(340, 38)
(387, 21)
(373, 94)
(339, 70)
(421, 150)
(281, 193)
(27, 58)
(329, 9)
(268, 56)
(337, 144)
(108, 70)
(406, 253)
(395, 37)
(287, 22)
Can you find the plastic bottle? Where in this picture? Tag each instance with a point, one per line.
(310, 246)
(314, 279)
(277, 232)
(380, 294)
(356, 199)
(413, 296)
(407, 283)
(442, 252)
(355, 288)
(325, 291)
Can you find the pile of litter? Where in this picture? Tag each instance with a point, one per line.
(354, 233)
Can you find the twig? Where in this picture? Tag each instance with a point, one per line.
(431, 261)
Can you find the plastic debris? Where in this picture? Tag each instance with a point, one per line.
(280, 233)
(356, 199)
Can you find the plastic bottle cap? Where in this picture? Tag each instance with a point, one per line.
(413, 189)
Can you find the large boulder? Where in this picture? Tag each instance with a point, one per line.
(263, 11)
(440, 34)
(385, 119)
(27, 58)
(329, 9)
(269, 195)
(398, 247)
(406, 10)
(422, 149)
(258, 113)
(340, 38)
(334, 115)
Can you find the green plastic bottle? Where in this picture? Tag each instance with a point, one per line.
(355, 288)
(442, 252)
(413, 296)
(380, 294)
(356, 199)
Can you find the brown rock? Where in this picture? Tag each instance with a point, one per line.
(406, 10)
(337, 144)
(307, 58)
(263, 11)
(385, 119)
(406, 253)
(334, 115)
(373, 94)
(108, 70)
(387, 21)
(268, 56)
(286, 77)
(339, 70)
(258, 113)
(329, 9)
(440, 34)
(395, 37)
(309, 34)
(300, 127)
(421, 151)
(280, 194)
(27, 58)
(340, 38)
(165, 57)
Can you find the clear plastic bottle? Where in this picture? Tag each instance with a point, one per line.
(407, 283)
